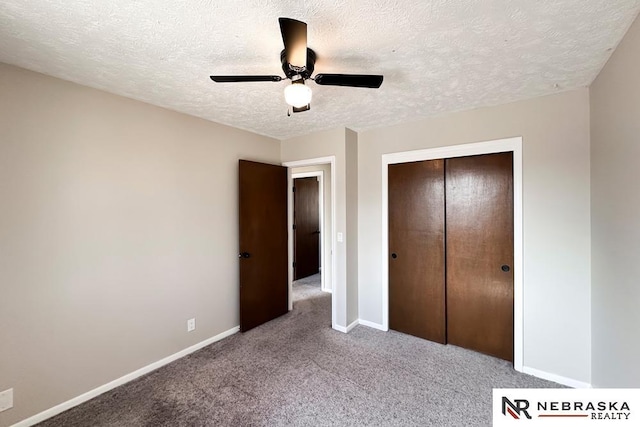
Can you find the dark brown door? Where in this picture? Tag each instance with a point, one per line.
(306, 220)
(264, 289)
(416, 249)
(479, 218)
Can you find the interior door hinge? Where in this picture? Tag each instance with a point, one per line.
(294, 226)
(294, 264)
(294, 189)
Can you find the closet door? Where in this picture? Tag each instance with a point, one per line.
(479, 218)
(416, 249)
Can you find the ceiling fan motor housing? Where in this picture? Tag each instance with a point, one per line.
(291, 70)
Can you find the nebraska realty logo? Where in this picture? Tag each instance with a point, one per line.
(566, 407)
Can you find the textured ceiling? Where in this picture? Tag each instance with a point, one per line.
(437, 56)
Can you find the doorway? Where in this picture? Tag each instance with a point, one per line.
(513, 145)
(323, 169)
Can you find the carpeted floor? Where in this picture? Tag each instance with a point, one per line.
(297, 371)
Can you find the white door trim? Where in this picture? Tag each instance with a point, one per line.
(497, 146)
(320, 176)
(331, 160)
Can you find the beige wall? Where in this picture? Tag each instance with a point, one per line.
(117, 224)
(615, 151)
(555, 131)
(326, 216)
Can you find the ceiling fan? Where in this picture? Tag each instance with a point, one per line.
(298, 64)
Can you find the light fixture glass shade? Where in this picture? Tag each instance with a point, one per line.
(297, 95)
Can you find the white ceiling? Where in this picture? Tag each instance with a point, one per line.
(436, 56)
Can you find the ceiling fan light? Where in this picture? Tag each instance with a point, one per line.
(297, 94)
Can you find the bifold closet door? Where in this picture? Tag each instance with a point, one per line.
(479, 218)
(416, 249)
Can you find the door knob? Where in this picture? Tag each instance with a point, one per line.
(394, 255)
(244, 255)
(505, 268)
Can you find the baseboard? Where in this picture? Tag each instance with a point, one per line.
(372, 325)
(122, 380)
(352, 325)
(340, 328)
(569, 382)
(359, 322)
(347, 329)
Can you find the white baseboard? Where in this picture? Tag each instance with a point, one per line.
(569, 382)
(122, 380)
(347, 329)
(372, 325)
(359, 322)
(339, 328)
(352, 325)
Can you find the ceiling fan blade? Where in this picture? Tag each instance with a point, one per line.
(301, 109)
(237, 79)
(352, 80)
(294, 37)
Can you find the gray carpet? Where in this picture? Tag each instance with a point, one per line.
(314, 280)
(297, 371)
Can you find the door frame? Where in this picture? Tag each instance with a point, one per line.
(513, 145)
(331, 160)
(320, 176)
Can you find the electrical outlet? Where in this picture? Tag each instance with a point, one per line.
(191, 324)
(6, 399)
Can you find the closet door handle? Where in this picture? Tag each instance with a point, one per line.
(394, 255)
(505, 268)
